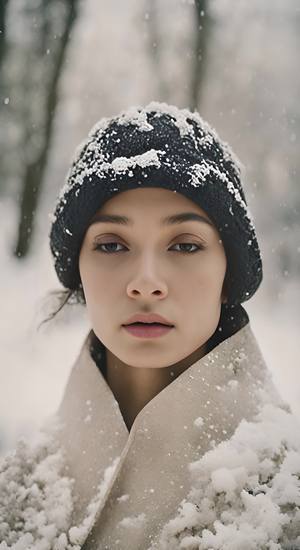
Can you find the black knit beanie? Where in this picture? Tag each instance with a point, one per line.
(158, 145)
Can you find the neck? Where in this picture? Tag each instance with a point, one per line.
(134, 387)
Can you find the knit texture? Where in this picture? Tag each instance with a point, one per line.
(157, 145)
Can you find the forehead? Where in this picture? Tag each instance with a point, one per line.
(137, 202)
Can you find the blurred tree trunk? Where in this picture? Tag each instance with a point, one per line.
(3, 45)
(3, 8)
(3, 87)
(155, 47)
(202, 32)
(35, 168)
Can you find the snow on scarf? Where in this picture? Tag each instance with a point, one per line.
(245, 493)
(36, 501)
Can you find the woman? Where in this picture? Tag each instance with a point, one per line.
(153, 233)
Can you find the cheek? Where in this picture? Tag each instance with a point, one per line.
(90, 279)
(95, 288)
(203, 294)
(99, 290)
(208, 275)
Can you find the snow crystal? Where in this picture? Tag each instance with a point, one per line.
(225, 480)
(133, 116)
(123, 498)
(121, 164)
(51, 217)
(133, 521)
(233, 384)
(199, 173)
(245, 491)
(99, 127)
(181, 117)
(100, 167)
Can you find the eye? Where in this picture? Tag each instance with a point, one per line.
(98, 246)
(198, 247)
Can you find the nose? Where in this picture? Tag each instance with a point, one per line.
(147, 280)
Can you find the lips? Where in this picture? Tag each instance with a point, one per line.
(141, 324)
(149, 319)
(147, 330)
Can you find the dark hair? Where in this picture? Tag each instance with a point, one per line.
(62, 298)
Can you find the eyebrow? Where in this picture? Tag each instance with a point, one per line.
(169, 220)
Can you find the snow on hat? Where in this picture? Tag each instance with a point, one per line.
(158, 145)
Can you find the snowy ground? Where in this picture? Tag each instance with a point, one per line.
(35, 363)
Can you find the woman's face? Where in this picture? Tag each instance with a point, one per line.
(176, 270)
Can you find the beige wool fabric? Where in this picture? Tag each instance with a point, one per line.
(149, 474)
